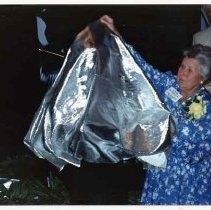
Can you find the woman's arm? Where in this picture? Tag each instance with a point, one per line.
(158, 78)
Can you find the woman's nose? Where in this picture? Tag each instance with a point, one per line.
(184, 71)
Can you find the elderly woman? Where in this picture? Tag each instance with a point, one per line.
(187, 176)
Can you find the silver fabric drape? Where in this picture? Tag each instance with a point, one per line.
(101, 109)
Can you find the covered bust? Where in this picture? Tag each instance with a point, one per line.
(101, 107)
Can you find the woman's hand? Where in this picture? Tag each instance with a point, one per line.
(109, 22)
(86, 34)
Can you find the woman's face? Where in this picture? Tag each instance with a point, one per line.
(188, 75)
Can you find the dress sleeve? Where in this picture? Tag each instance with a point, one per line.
(194, 139)
(157, 78)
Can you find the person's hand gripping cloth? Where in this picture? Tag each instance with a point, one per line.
(101, 107)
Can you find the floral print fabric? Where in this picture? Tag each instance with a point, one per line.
(187, 178)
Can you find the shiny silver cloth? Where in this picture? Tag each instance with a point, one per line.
(101, 108)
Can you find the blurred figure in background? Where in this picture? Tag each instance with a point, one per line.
(51, 53)
(204, 36)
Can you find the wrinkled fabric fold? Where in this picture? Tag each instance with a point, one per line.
(101, 108)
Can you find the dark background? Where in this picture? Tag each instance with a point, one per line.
(159, 32)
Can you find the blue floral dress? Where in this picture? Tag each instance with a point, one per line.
(187, 176)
